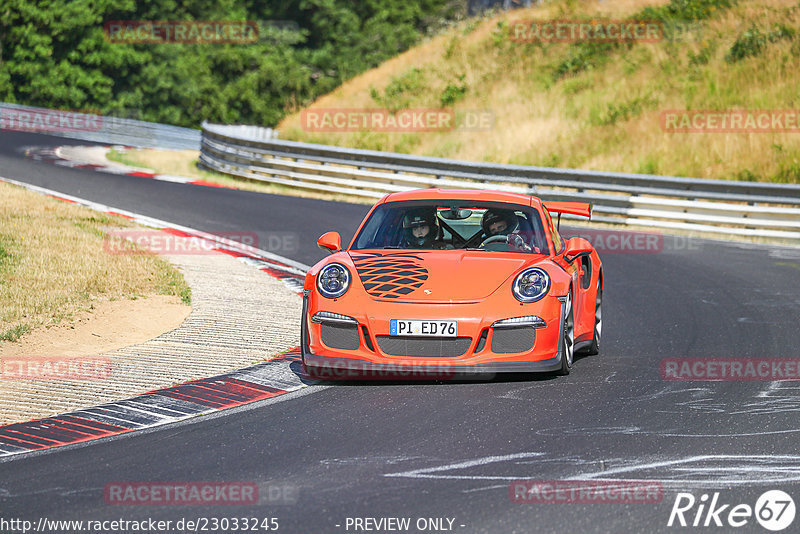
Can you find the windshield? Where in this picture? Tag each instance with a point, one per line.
(453, 226)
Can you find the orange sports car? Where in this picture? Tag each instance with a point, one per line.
(440, 281)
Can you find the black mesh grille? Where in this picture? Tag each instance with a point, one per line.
(424, 347)
(390, 276)
(340, 336)
(506, 340)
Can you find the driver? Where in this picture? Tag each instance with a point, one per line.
(421, 230)
(498, 222)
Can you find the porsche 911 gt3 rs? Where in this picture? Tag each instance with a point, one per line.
(468, 281)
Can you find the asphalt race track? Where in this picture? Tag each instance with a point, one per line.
(451, 450)
(211, 209)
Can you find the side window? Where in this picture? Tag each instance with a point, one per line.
(557, 244)
(372, 232)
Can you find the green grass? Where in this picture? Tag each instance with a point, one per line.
(121, 157)
(7, 258)
(14, 333)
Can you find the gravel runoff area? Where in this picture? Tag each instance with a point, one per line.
(240, 316)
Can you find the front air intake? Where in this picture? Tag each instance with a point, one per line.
(340, 336)
(424, 347)
(516, 339)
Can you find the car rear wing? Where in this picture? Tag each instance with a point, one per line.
(584, 209)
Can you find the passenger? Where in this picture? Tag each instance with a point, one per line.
(421, 230)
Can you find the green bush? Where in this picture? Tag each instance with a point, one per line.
(747, 175)
(621, 111)
(401, 90)
(583, 56)
(702, 57)
(453, 93)
(752, 42)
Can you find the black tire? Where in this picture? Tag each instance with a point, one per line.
(598, 321)
(567, 337)
(304, 343)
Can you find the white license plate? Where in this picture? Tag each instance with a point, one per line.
(405, 327)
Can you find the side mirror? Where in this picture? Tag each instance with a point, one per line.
(330, 241)
(577, 247)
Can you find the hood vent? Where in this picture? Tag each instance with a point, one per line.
(390, 276)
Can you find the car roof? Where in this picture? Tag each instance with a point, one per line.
(464, 194)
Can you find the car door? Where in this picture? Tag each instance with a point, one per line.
(576, 273)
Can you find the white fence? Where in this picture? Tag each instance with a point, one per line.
(716, 206)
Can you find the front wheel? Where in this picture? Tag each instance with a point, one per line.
(304, 342)
(567, 337)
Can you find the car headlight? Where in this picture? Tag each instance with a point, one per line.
(531, 285)
(333, 280)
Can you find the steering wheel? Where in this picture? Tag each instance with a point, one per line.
(494, 239)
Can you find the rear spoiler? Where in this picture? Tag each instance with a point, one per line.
(584, 209)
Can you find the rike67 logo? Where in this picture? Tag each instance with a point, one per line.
(774, 510)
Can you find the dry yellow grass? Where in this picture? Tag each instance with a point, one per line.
(53, 263)
(606, 117)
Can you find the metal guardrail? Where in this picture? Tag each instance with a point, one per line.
(717, 206)
(97, 128)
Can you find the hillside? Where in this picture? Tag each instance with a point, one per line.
(595, 105)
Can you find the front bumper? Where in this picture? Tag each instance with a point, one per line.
(339, 368)
(365, 356)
